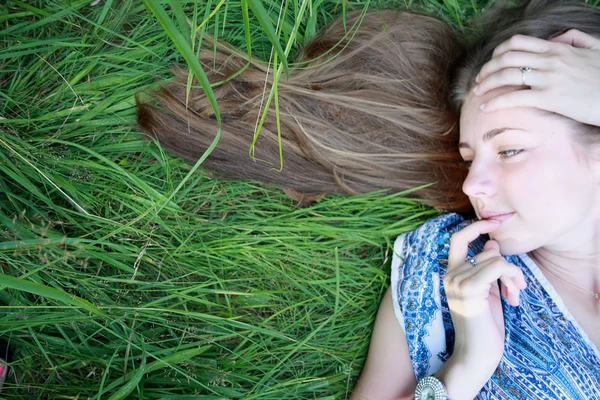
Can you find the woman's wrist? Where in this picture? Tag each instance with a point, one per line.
(462, 382)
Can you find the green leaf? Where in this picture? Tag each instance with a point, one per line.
(188, 54)
(176, 358)
(47, 292)
(246, 19)
(181, 20)
(265, 22)
(133, 382)
(186, 51)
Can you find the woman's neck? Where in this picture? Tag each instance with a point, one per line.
(580, 269)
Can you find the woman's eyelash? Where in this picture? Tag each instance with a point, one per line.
(502, 155)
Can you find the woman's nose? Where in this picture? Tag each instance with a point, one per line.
(480, 181)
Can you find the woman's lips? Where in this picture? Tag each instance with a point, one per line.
(502, 217)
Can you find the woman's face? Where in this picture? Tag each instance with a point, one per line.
(528, 165)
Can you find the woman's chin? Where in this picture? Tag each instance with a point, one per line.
(511, 247)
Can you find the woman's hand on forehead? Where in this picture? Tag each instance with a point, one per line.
(564, 75)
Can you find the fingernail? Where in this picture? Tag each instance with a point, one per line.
(524, 285)
(476, 88)
(489, 244)
(477, 78)
(482, 106)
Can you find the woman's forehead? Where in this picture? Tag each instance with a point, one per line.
(475, 123)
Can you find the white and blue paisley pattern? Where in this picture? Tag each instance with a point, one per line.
(547, 354)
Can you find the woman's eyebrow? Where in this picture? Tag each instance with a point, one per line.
(489, 136)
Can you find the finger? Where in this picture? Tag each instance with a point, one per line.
(522, 43)
(466, 270)
(511, 77)
(491, 244)
(491, 251)
(512, 59)
(518, 98)
(504, 291)
(514, 286)
(478, 280)
(497, 269)
(520, 282)
(511, 293)
(459, 242)
(577, 38)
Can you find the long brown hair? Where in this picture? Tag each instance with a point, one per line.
(374, 116)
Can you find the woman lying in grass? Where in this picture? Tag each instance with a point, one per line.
(500, 297)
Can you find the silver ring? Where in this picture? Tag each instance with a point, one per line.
(523, 71)
(471, 260)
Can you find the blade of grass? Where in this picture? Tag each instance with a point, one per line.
(136, 377)
(184, 27)
(189, 56)
(186, 51)
(246, 18)
(265, 22)
(48, 292)
(276, 77)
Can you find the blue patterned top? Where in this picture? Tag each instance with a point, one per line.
(547, 354)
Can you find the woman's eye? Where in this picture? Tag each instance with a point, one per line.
(503, 155)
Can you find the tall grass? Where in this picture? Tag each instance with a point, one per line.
(127, 273)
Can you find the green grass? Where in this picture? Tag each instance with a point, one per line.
(127, 274)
